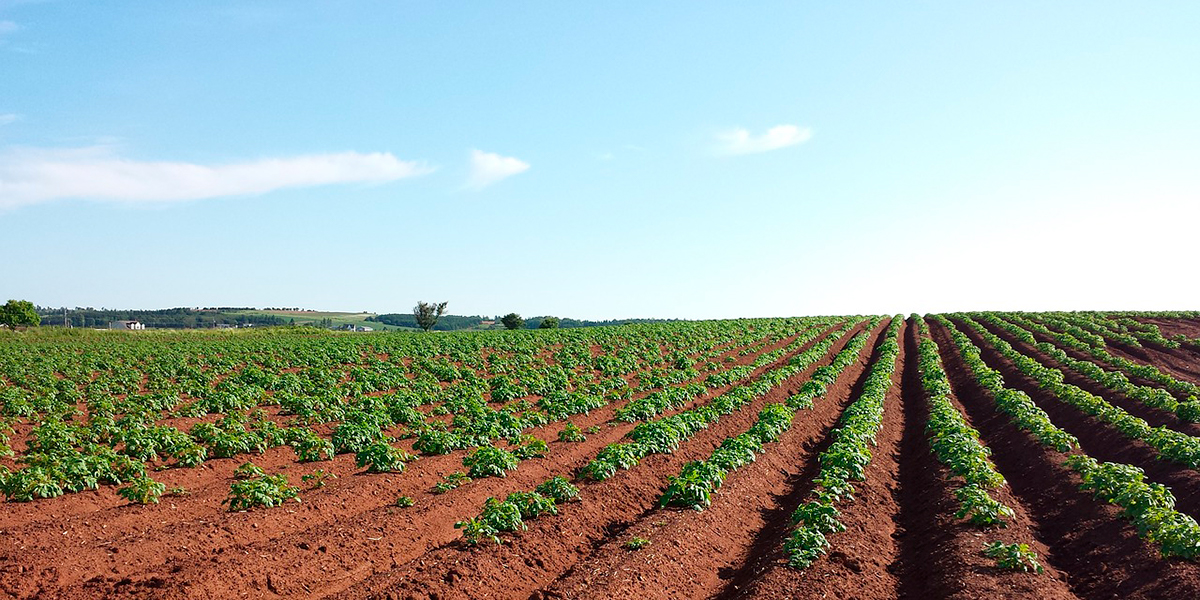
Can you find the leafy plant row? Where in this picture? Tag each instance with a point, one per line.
(699, 480)
(489, 460)
(1145, 332)
(1149, 505)
(509, 515)
(115, 438)
(845, 460)
(660, 436)
(1102, 329)
(1120, 329)
(665, 434)
(956, 444)
(1186, 391)
(1113, 380)
(1025, 414)
(1170, 444)
(477, 424)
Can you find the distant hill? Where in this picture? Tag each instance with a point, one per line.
(454, 322)
(208, 318)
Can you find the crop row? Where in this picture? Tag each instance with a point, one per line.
(845, 461)
(1114, 380)
(699, 480)
(1150, 506)
(1068, 337)
(1170, 444)
(1144, 332)
(659, 436)
(955, 443)
(663, 435)
(1120, 329)
(115, 441)
(489, 460)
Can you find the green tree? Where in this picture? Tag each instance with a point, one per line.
(513, 321)
(548, 323)
(18, 313)
(427, 313)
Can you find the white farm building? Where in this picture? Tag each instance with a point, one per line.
(136, 325)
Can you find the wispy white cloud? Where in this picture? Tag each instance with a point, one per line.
(32, 175)
(740, 141)
(488, 168)
(7, 27)
(6, 118)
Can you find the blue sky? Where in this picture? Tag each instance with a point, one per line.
(673, 159)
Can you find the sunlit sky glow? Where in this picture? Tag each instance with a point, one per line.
(675, 159)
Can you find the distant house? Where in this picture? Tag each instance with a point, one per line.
(364, 328)
(486, 323)
(133, 325)
(225, 326)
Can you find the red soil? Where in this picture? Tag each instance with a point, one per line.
(691, 553)
(347, 540)
(323, 542)
(1098, 439)
(1099, 554)
(941, 554)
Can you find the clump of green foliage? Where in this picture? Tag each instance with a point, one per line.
(451, 482)
(532, 504)
(489, 461)
(318, 478)
(559, 488)
(497, 516)
(528, 447)
(311, 447)
(248, 470)
(143, 490)
(382, 457)
(1017, 557)
(981, 509)
(264, 490)
(571, 433)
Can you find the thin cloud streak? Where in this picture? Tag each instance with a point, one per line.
(32, 176)
(488, 168)
(740, 141)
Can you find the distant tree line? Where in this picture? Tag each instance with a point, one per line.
(190, 318)
(444, 322)
(565, 322)
(167, 318)
(456, 322)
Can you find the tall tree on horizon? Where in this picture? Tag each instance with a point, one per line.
(19, 313)
(513, 321)
(427, 313)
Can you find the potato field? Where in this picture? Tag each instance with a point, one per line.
(968, 455)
